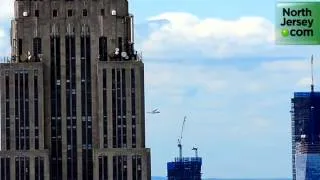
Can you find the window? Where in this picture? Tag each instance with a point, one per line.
(69, 12)
(84, 12)
(120, 44)
(20, 47)
(36, 13)
(102, 12)
(56, 143)
(54, 13)
(36, 48)
(103, 48)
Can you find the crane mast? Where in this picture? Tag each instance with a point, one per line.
(180, 139)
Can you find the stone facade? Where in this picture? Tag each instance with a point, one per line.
(90, 93)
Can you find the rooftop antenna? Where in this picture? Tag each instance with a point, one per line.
(312, 82)
(180, 139)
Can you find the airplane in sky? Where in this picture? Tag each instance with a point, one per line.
(155, 111)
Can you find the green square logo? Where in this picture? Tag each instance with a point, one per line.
(298, 23)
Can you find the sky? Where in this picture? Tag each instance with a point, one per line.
(216, 63)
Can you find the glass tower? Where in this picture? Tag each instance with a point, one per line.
(306, 135)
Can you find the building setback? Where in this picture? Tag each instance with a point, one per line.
(72, 102)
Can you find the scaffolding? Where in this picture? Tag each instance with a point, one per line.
(186, 168)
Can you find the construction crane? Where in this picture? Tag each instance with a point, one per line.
(196, 151)
(180, 139)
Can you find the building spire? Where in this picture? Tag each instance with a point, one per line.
(312, 82)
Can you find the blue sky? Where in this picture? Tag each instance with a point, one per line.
(216, 63)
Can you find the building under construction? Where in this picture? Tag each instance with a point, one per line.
(306, 135)
(185, 168)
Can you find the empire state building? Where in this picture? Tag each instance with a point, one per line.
(72, 96)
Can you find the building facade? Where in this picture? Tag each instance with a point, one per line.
(306, 135)
(73, 103)
(185, 168)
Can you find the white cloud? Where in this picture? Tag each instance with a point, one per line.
(281, 65)
(211, 37)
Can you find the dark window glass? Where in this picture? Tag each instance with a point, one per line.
(7, 166)
(36, 13)
(100, 168)
(41, 168)
(114, 110)
(120, 160)
(84, 12)
(69, 12)
(17, 128)
(105, 168)
(103, 48)
(21, 110)
(56, 163)
(120, 44)
(139, 165)
(54, 13)
(27, 168)
(134, 168)
(86, 108)
(71, 108)
(26, 105)
(20, 47)
(36, 168)
(105, 112)
(114, 165)
(7, 110)
(36, 48)
(17, 168)
(102, 12)
(2, 169)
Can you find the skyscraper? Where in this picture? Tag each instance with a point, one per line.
(72, 102)
(306, 135)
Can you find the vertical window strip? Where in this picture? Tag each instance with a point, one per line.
(139, 168)
(36, 168)
(56, 141)
(2, 168)
(22, 112)
(36, 48)
(105, 112)
(133, 108)
(103, 167)
(119, 114)
(36, 112)
(26, 105)
(86, 110)
(17, 114)
(100, 168)
(115, 167)
(7, 111)
(7, 165)
(134, 167)
(103, 48)
(114, 112)
(123, 108)
(71, 108)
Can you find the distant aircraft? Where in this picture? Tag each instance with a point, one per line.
(155, 111)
